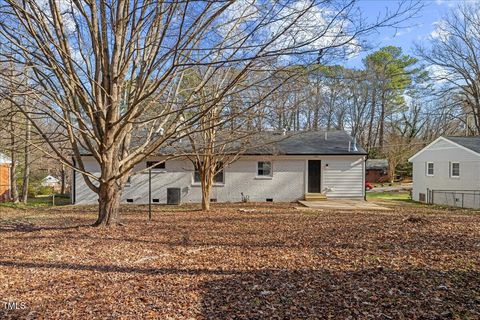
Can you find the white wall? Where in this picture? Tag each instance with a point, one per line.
(442, 153)
(344, 175)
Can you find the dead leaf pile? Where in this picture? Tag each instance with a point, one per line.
(244, 261)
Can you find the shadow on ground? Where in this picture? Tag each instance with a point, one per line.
(366, 294)
(309, 294)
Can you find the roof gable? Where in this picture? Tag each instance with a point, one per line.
(466, 145)
(372, 164)
(50, 179)
(472, 143)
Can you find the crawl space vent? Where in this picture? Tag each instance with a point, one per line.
(421, 197)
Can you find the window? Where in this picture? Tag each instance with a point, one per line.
(156, 165)
(264, 169)
(430, 168)
(454, 169)
(219, 176)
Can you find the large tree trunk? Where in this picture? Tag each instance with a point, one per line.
(207, 180)
(108, 203)
(206, 198)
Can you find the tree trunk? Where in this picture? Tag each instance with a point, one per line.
(381, 133)
(63, 181)
(371, 143)
(26, 171)
(316, 111)
(392, 165)
(108, 203)
(206, 198)
(13, 167)
(207, 183)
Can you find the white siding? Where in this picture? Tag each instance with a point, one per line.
(344, 175)
(442, 153)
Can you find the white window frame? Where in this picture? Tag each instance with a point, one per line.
(263, 177)
(451, 170)
(433, 169)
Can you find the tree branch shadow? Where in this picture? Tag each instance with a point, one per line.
(113, 268)
(30, 227)
(325, 294)
(370, 293)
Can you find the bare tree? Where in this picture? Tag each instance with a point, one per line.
(26, 159)
(108, 72)
(221, 136)
(453, 54)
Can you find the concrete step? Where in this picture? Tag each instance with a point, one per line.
(315, 197)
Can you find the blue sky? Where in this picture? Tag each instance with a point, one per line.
(416, 30)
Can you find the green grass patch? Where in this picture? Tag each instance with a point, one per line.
(41, 201)
(401, 196)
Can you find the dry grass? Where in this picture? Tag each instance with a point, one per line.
(268, 261)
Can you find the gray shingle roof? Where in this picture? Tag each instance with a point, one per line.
(311, 143)
(292, 143)
(379, 164)
(472, 143)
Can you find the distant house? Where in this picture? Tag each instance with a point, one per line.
(298, 166)
(377, 170)
(52, 182)
(447, 171)
(5, 164)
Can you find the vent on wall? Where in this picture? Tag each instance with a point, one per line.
(129, 200)
(213, 200)
(269, 200)
(156, 200)
(421, 197)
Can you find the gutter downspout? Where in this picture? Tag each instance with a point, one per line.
(9, 182)
(74, 183)
(364, 177)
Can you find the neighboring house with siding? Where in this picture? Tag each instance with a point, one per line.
(296, 166)
(51, 182)
(447, 171)
(5, 164)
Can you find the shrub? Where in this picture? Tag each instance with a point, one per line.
(44, 191)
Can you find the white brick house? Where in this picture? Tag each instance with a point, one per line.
(315, 162)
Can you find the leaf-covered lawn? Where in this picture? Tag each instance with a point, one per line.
(242, 262)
